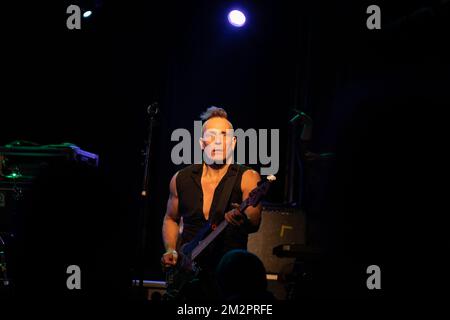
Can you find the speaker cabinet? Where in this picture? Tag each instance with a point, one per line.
(278, 226)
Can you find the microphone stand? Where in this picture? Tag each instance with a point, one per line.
(152, 111)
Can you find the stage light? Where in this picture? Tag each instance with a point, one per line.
(236, 18)
(87, 14)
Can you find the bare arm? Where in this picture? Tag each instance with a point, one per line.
(249, 181)
(171, 223)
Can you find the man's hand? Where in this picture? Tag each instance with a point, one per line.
(235, 217)
(169, 259)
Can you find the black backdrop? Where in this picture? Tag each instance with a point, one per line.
(375, 97)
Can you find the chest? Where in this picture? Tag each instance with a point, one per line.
(209, 187)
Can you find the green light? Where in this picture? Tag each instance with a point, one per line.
(14, 175)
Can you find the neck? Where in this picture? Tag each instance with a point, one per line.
(215, 170)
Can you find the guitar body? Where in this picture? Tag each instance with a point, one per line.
(178, 278)
(186, 270)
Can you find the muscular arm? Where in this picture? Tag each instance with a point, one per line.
(171, 219)
(249, 181)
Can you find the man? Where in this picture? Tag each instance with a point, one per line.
(198, 194)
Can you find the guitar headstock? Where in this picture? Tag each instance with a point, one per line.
(260, 191)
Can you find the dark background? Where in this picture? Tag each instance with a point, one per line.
(375, 96)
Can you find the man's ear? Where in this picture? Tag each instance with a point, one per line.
(233, 143)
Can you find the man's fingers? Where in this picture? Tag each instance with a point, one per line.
(237, 215)
(169, 260)
(229, 218)
(235, 206)
(233, 218)
(173, 260)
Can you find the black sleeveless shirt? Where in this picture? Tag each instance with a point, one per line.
(190, 207)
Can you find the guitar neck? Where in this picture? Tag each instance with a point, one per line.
(215, 233)
(210, 238)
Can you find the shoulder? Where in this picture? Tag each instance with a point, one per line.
(187, 171)
(173, 184)
(240, 168)
(193, 168)
(251, 175)
(247, 172)
(183, 176)
(250, 178)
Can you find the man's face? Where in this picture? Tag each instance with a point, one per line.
(218, 141)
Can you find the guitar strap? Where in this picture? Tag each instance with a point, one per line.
(221, 205)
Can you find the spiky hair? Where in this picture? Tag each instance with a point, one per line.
(214, 112)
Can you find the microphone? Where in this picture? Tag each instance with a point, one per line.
(153, 109)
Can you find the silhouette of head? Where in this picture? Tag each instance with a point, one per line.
(241, 276)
